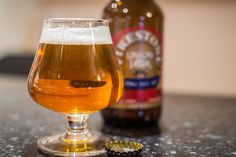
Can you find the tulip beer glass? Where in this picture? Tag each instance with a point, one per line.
(75, 72)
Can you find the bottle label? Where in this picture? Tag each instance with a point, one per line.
(138, 50)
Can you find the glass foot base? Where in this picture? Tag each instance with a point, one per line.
(58, 145)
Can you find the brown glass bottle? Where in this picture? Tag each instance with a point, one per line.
(136, 27)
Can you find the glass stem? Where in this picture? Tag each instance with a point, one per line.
(77, 129)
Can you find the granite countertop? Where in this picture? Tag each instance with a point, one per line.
(190, 126)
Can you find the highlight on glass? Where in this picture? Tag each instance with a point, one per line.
(75, 72)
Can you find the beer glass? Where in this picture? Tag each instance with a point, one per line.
(75, 72)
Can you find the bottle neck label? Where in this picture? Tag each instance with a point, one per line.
(138, 50)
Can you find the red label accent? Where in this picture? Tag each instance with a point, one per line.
(117, 36)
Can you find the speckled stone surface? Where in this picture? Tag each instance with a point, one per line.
(190, 126)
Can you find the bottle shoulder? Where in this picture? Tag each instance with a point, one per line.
(150, 10)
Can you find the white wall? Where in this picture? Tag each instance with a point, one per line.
(200, 46)
(73, 8)
(20, 24)
(200, 38)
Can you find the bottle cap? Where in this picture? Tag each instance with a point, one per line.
(123, 148)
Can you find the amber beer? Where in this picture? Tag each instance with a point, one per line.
(75, 77)
(136, 28)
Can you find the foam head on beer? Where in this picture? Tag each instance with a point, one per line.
(76, 36)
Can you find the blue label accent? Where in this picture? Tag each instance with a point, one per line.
(142, 83)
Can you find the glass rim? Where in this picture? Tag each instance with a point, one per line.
(77, 20)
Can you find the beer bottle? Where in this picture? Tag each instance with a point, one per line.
(136, 27)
